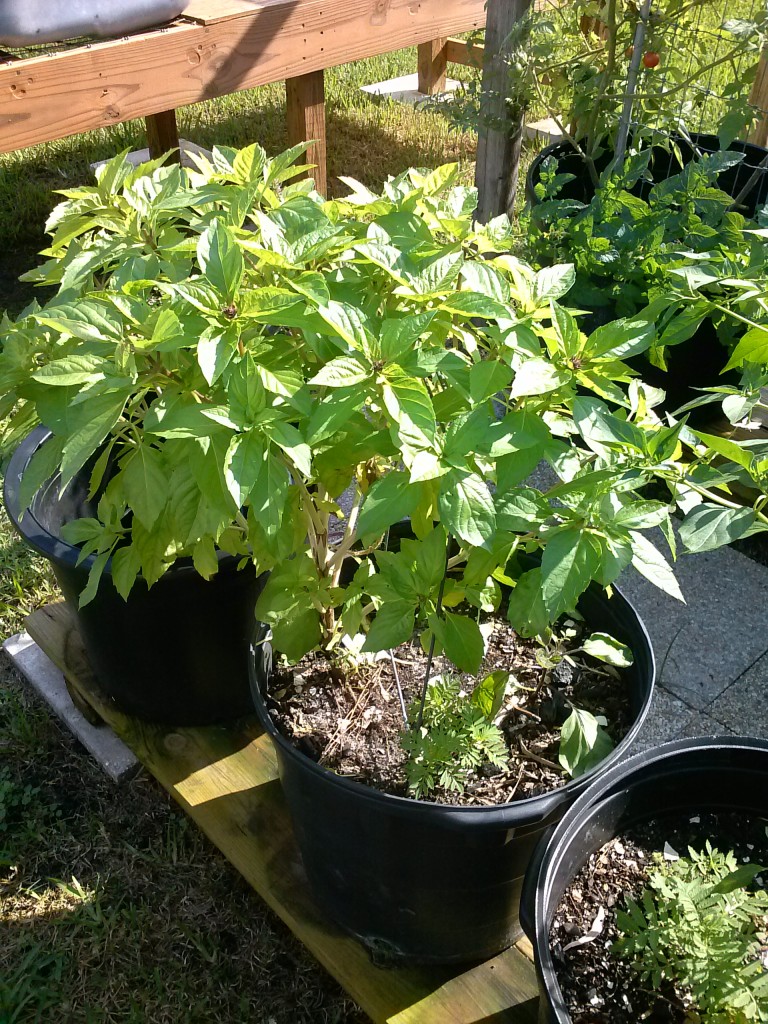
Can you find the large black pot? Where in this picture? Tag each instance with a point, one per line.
(697, 362)
(421, 881)
(686, 775)
(663, 165)
(176, 652)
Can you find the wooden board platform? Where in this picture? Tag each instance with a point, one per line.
(221, 47)
(226, 780)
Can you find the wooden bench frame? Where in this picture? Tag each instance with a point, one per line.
(220, 47)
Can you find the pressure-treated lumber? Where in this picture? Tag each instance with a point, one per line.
(457, 51)
(501, 124)
(759, 99)
(52, 96)
(432, 60)
(163, 135)
(305, 118)
(226, 780)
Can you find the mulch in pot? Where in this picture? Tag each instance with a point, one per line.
(599, 987)
(350, 721)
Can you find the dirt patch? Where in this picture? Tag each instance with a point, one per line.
(351, 722)
(598, 987)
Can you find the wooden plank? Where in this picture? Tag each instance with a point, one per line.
(163, 135)
(432, 61)
(52, 96)
(305, 117)
(226, 780)
(498, 147)
(458, 51)
(758, 98)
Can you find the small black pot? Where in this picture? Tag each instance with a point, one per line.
(421, 881)
(176, 652)
(702, 774)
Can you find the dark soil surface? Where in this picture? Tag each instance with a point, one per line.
(598, 987)
(352, 723)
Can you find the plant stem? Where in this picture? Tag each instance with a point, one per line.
(399, 688)
(438, 609)
(753, 180)
(634, 67)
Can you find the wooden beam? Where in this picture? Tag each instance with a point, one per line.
(457, 51)
(432, 58)
(305, 117)
(103, 83)
(758, 98)
(163, 135)
(501, 123)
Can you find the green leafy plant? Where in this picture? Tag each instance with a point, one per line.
(237, 364)
(701, 927)
(457, 734)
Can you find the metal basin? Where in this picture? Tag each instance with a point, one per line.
(27, 22)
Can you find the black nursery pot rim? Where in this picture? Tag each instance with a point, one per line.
(516, 812)
(554, 846)
(51, 545)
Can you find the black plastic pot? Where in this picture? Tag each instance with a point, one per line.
(686, 775)
(176, 652)
(420, 881)
(663, 165)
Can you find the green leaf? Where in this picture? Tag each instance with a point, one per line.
(553, 282)
(466, 508)
(82, 531)
(711, 526)
(146, 484)
(526, 611)
(752, 348)
(243, 465)
(642, 515)
(488, 695)
(333, 413)
(569, 562)
(469, 304)
(41, 467)
(461, 640)
(96, 418)
(408, 403)
(214, 352)
(606, 648)
(298, 634)
(430, 561)
(246, 393)
(398, 336)
(584, 743)
(126, 566)
(537, 377)
(220, 259)
(729, 449)
(287, 437)
(520, 509)
(650, 563)
(341, 372)
(621, 339)
(86, 320)
(347, 322)
(204, 558)
(389, 500)
(486, 378)
(392, 626)
(94, 578)
(72, 370)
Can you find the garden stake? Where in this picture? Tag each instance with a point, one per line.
(438, 609)
(399, 687)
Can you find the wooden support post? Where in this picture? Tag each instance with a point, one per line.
(501, 123)
(433, 57)
(759, 99)
(163, 135)
(305, 114)
(457, 51)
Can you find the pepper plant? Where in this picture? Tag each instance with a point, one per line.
(227, 355)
